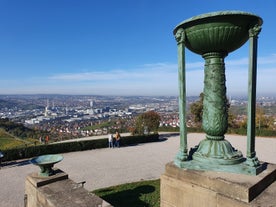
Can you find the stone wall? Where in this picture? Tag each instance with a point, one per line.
(58, 191)
(192, 188)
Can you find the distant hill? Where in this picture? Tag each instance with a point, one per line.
(11, 104)
(7, 104)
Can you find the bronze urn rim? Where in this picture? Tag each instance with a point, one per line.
(221, 31)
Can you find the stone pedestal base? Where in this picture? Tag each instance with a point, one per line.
(58, 191)
(192, 188)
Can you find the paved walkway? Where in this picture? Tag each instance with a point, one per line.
(106, 167)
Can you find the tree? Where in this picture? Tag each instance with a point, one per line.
(232, 120)
(146, 123)
(197, 109)
(262, 121)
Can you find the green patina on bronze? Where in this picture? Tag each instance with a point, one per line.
(213, 36)
(46, 163)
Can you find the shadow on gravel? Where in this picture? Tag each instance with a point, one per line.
(15, 163)
(164, 137)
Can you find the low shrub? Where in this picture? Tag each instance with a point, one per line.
(56, 148)
(259, 133)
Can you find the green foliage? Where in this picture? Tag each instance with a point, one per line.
(259, 132)
(4, 134)
(231, 130)
(231, 120)
(176, 129)
(105, 124)
(147, 122)
(138, 194)
(263, 121)
(19, 130)
(266, 133)
(240, 131)
(139, 126)
(197, 108)
(168, 129)
(240, 109)
(7, 141)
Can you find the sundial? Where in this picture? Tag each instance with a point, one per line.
(46, 163)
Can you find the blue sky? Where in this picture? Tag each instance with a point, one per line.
(118, 47)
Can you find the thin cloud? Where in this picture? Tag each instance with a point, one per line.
(155, 70)
(148, 79)
(88, 76)
(267, 60)
(143, 72)
(271, 59)
(237, 62)
(146, 71)
(161, 77)
(195, 65)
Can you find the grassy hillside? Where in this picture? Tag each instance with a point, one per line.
(8, 141)
(14, 135)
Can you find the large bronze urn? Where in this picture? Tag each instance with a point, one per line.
(213, 36)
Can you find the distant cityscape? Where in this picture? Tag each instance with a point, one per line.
(72, 114)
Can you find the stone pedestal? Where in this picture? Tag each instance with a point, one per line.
(192, 188)
(58, 191)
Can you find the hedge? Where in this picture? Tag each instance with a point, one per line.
(57, 148)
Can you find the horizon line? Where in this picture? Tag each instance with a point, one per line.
(122, 95)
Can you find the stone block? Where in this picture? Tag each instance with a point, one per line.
(59, 191)
(173, 191)
(184, 187)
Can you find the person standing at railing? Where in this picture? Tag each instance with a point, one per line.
(110, 141)
(117, 139)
